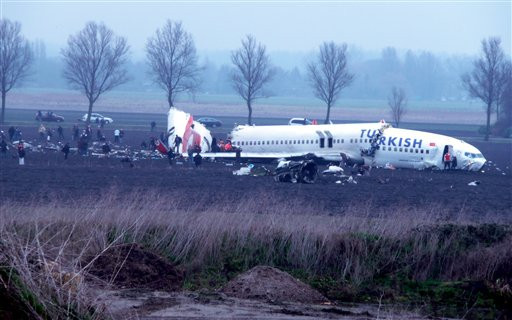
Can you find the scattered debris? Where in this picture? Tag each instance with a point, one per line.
(474, 183)
(351, 180)
(252, 170)
(389, 166)
(333, 170)
(386, 180)
(272, 285)
(244, 171)
(296, 171)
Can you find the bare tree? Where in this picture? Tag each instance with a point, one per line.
(329, 74)
(397, 102)
(505, 73)
(172, 56)
(252, 71)
(94, 60)
(484, 81)
(15, 58)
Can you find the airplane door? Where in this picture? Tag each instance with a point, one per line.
(329, 139)
(321, 139)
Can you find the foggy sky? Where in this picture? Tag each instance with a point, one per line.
(438, 26)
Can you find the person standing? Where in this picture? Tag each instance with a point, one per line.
(11, 132)
(65, 149)
(121, 135)
(116, 135)
(447, 160)
(454, 162)
(42, 132)
(170, 157)
(60, 131)
(76, 132)
(49, 134)
(21, 153)
(177, 143)
(3, 148)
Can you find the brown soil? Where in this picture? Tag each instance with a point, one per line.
(130, 266)
(271, 284)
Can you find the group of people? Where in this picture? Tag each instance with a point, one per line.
(222, 146)
(46, 134)
(450, 162)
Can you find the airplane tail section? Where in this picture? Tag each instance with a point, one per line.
(192, 133)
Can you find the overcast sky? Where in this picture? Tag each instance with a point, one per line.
(453, 27)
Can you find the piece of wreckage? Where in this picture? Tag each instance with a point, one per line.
(304, 171)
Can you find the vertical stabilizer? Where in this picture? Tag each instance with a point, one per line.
(182, 124)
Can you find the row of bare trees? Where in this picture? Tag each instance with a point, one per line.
(95, 61)
(95, 58)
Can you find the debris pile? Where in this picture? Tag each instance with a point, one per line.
(296, 171)
(252, 170)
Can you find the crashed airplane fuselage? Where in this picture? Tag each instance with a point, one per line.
(374, 144)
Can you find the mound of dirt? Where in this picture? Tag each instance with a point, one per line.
(271, 284)
(130, 266)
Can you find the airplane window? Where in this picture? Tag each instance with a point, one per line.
(400, 149)
(350, 140)
(416, 150)
(360, 140)
(412, 150)
(342, 140)
(395, 149)
(406, 150)
(427, 151)
(365, 140)
(421, 151)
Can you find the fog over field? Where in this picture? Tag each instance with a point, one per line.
(423, 47)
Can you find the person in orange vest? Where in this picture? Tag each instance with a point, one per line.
(227, 146)
(447, 160)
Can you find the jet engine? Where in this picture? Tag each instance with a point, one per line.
(296, 171)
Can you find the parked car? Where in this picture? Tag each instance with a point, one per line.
(96, 118)
(302, 122)
(48, 116)
(210, 122)
(299, 122)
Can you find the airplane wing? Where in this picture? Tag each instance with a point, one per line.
(255, 155)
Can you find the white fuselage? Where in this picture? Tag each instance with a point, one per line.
(400, 148)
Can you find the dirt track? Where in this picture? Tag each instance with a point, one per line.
(48, 175)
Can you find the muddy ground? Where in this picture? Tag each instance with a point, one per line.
(47, 175)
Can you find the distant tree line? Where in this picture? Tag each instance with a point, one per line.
(95, 61)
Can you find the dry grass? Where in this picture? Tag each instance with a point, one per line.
(44, 244)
